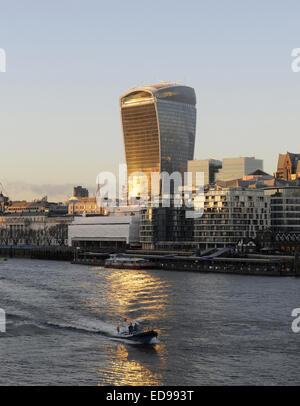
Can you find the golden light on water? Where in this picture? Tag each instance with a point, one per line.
(131, 291)
(138, 295)
(123, 371)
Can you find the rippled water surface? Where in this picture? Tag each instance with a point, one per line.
(213, 329)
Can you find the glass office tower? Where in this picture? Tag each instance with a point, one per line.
(159, 127)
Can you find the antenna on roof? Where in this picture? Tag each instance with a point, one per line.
(163, 81)
(168, 82)
(137, 85)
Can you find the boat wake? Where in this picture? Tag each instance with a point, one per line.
(95, 327)
(90, 326)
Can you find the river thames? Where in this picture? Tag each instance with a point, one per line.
(214, 329)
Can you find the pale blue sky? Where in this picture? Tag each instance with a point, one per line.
(68, 61)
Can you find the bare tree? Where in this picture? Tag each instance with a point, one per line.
(59, 233)
(4, 235)
(36, 236)
(48, 235)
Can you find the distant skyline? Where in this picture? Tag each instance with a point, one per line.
(67, 63)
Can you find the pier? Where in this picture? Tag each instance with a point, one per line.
(252, 264)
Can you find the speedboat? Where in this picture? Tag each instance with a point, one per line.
(145, 337)
(134, 334)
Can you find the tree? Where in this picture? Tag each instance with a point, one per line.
(59, 233)
(4, 235)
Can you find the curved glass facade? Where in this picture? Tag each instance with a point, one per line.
(159, 128)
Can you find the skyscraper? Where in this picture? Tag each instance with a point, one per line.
(159, 126)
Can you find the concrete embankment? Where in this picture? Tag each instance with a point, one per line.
(250, 265)
(48, 253)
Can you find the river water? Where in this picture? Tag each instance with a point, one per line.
(213, 329)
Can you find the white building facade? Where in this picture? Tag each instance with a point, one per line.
(104, 232)
(231, 214)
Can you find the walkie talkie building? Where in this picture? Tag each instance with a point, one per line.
(159, 126)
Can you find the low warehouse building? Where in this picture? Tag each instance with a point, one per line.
(104, 232)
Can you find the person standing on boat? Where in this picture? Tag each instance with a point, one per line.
(130, 328)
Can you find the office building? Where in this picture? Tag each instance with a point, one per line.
(80, 191)
(209, 167)
(166, 228)
(230, 215)
(285, 218)
(159, 126)
(236, 168)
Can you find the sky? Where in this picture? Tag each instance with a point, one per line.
(68, 61)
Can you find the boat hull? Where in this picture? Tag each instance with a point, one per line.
(118, 266)
(146, 337)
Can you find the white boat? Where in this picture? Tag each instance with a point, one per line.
(144, 337)
(127, 262)
(134, 334)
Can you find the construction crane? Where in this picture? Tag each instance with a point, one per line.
(2, 189)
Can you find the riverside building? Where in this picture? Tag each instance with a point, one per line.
(34, 223)
(104, 232)
(166, 228)
(35, 229)
(285, 217)
(230, 215)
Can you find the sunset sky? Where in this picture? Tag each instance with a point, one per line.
(68, 61)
